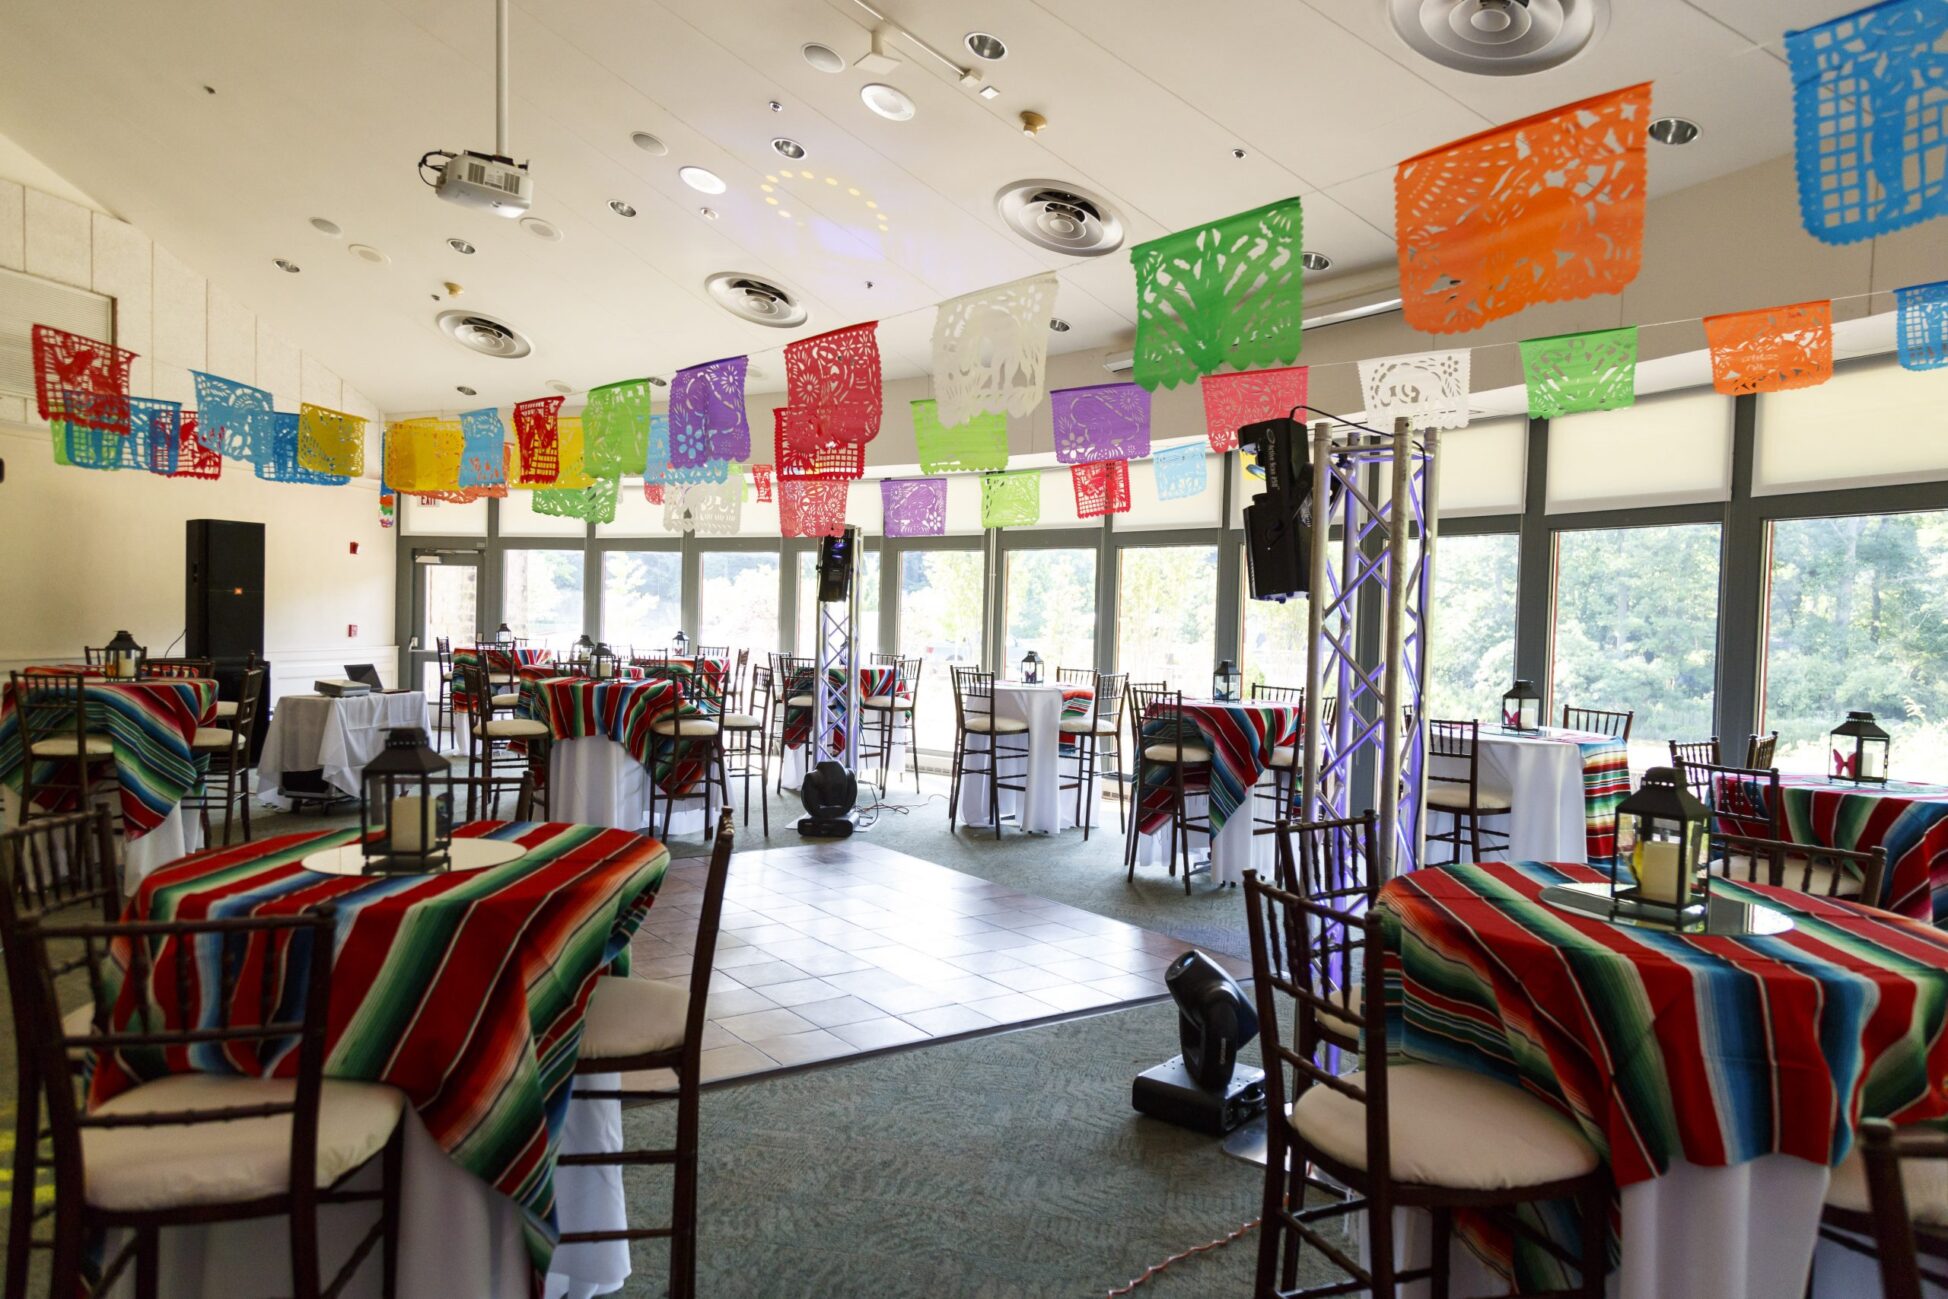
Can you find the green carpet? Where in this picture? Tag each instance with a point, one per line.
(1008, 1165)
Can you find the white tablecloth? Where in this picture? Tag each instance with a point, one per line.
(179, 834)
(338, 736)
(1544, 778)
(1049, 808)
(1742, 1232)
(794, 759)
(458, 1236)
(594, 781)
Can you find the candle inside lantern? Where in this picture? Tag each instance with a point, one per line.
(1659, 876)
(411, 823)
(1870, 756)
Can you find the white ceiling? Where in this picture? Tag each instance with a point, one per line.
(322, 109)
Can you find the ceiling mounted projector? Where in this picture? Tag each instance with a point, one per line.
(492, 182)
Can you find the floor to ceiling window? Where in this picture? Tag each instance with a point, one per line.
(867, 579)
(1857, 619)
(1637, 628)
(1166, 615)
(542, 595)
(642, 599)
(1271, 636)
(737, 597)
(1051, 609)
(939, 619)
(1473, 658)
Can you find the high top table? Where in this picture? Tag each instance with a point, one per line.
(1043, 808)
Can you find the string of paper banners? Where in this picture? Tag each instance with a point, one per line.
(1547, 209)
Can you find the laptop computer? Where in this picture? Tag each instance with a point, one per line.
(365, 674)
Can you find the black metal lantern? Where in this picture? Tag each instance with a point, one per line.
(1860, 750)
(1227, 683)
(604, 662)
(1031, 669)
(1672, 841)
(1522, 708)
(503, 633)
(404, 826)
(679, 645)
(121, 655)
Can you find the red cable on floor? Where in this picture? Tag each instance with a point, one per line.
(1155, 1268)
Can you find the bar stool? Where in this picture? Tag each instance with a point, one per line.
(694, 735)
(1170, 747)
(747, 743)
(443, 701)
(225, 752)
(1086, 734)
(792, 677)
(68, 766)
(491, 740)
(1284, 762)
(1453, 781)
(889, 714)
(974, 715)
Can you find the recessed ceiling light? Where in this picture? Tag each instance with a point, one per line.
(707, 213)
(1312, 261)
(557, 386)
(367, 253)
(287, 266)
(1673, 131)
(541, 229)
(460, 246)
(886, 101)
(656, 382)
(465, 391)
(822, 57)
(324, 227)
(702, 179)
(1239, 154)
(982, 45)
(648, 143)
(1058, 324)
(620, 208)
(789, 148)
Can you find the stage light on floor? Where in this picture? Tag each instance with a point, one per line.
(829, 793)
(1204, 1088)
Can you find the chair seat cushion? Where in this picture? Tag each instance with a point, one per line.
(507, 700)
(1284, 757)
(66, 746)
(515, 728)
(989, 724)
(1088, 726)
(1176, 753)
(78, 1022)
(685, 726)
(212, 1163)
(741, 722)
(801, 701)
(629, 1017)
(213, 737)
(1449, 1127)
(226, 708)
(885, 702)
(501, 678)
(1332, 1023)
(1454, 798)
(1924, 1180)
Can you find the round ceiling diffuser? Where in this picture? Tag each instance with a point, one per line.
(1064, 218)
(758, 300)
(1499, 38)
(484, 334)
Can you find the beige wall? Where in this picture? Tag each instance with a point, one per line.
(83, 553)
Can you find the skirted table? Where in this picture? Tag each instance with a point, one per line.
(1043, 808)
(152, 726)
(605, 750)
(1243, 736)
(1909, 820)
(1719, 1075)
(877, 681)
(1565, 787)
(466, 991)
(332, 737)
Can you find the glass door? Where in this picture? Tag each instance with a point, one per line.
(446, 603)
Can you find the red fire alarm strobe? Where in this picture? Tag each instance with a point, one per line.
(351, 629)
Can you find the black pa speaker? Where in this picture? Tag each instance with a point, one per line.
(835, 567)
(224, 590)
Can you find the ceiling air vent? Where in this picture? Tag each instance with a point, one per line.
(484, 334)
(757, 300)
(1061, 217)
(1499, 38)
